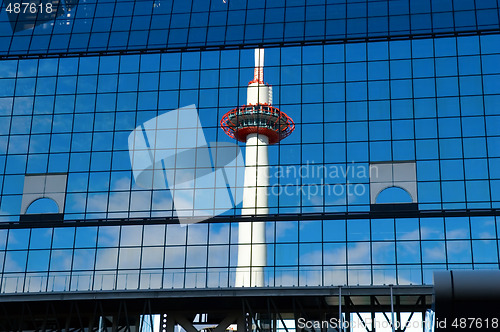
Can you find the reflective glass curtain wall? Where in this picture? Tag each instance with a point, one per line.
(93, 26)
(432, 102)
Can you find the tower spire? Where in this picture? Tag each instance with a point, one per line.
(258, 72)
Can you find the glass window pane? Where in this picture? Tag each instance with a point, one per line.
(60, 260)
(334, 253)
(152, 257)
(176, 235)
(154, 235)
(457, 228)
(218, 256)
(175, 257)
(383, 252)
(131, 236)
(433, 252)
(485, 251)
(106, 258)
(108, 236)
(408, 252)
(334, 230)
(459, 251)
(196, 256)
(86, 237)
(41, 238)
(483, 227)
(18, 239)
(15, 261)
(63, 237)
(358, 253)
(130, 258)
(83, 259)
(38, 260)
(382, 229)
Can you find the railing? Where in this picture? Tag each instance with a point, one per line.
(221, 278)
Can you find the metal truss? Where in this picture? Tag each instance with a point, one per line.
(213, 310)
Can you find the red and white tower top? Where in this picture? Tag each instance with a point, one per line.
(258, 72)
(257, 116)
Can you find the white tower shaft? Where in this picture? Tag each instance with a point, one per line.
(251, 235)
(258, 123)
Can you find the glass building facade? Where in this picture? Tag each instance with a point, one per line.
(93, 26)
(369, 84)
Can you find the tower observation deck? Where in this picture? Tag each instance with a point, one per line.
(258, 124)
(258, 116)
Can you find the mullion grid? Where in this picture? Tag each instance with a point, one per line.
(208, 245)
(87, 196)
(72, 130)
(441, 192)
(490, 187)
(367, 54)
(497, 231)
(2, 279)
(217, 133)
(2, 196)
(461, 129)
(415, 158)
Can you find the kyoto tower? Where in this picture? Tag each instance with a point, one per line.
(258, 124)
